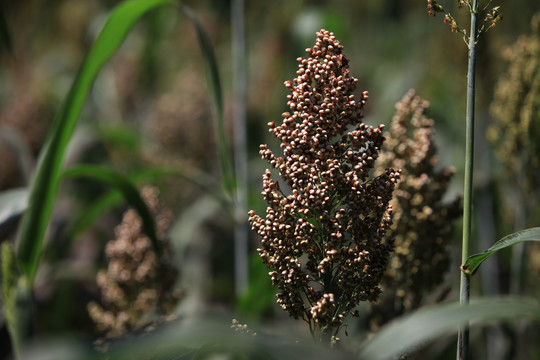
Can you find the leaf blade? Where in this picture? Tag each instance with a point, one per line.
(474, 261)
(427, 324)
(127, 188)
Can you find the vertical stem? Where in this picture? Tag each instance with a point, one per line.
(241, 230)
(463, 335)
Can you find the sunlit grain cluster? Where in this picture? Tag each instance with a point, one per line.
(323, 241)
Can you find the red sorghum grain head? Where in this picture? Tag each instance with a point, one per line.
(322, 240)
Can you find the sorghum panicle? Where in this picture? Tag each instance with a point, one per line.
(490, 18)
(422, 224)
(137, 285)
(516, 104)
(515, 135)
(323, 241)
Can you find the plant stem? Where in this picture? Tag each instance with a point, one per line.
(463, 335)
(241, 229)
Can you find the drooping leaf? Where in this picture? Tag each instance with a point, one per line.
(474, 261)
(427, 324)
(126, 187)
(113, 197)
(185, 340)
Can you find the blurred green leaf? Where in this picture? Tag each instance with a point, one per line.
(126, 187)
(214, 85)
(427, 324)
(124, 136)
(474, 261)
(5, 37)
(113, 197)
(260, 294)
(12, 203)
(46, 180)
(183, 338)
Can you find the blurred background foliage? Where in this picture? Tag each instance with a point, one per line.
(150, 108)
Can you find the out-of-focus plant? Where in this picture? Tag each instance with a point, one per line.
(515, 135)
(137, 285)
(422, 224)
(181, 120)
(516, 110)
(19, 276)
(324, 240)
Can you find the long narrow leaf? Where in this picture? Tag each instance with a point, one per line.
(45, 183)
(474, 261)
(214, 85)
(125, 186)
(428, 324)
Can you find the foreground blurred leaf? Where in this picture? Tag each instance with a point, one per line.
(474, 261)
(428, 324)
(12, 204)
(189, 338)
(124, 185)
(45, 183)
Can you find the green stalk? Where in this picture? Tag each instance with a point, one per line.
(241, 228)
(463, 335)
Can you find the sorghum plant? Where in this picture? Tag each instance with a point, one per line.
(515, 135)
(422, 223)
(324, 241)
(516, 110)
(490, 19)
(136, 286)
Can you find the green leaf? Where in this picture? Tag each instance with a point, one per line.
(120, 136)
(427, 324)
(113, 197)
(5, 37)
(45, 183)
(260, 294)
(128, 189)
(12, 203)
(474, 261)
(214, 85)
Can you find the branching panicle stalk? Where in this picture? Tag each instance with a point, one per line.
(490, 18)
